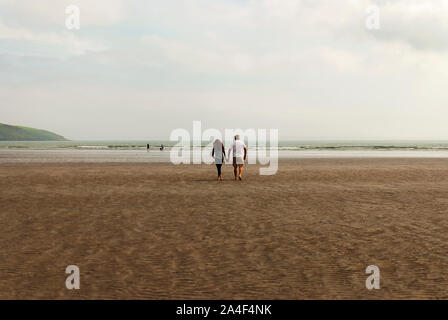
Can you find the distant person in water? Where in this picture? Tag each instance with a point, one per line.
(239, 150)
(218, 153)
(147, 147)
(162, 147)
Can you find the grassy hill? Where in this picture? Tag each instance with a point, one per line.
(16, 133)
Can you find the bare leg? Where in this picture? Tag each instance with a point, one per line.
(235, 170)
(241, 171)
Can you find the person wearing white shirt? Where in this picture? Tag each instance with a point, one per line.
(239, 151)
(218, 153)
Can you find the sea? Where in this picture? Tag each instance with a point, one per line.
(136, 151)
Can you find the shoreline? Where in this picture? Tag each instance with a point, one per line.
(157, 156)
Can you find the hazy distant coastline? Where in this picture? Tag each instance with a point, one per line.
(19, 133)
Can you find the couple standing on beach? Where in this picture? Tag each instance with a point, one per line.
(239, 156)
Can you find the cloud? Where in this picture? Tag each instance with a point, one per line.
(421, 24)
(56, 43)
(38, 27)
(308, 67)
(51, 14)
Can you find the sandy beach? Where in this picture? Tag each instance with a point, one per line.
(159, 231)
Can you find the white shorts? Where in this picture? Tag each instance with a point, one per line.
(238, 160)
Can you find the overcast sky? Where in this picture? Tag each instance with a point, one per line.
(138, 69)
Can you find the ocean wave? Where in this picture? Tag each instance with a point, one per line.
(282, 146)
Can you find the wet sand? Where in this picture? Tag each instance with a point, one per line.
(158, 231)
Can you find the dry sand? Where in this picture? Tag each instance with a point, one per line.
(158, 231)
